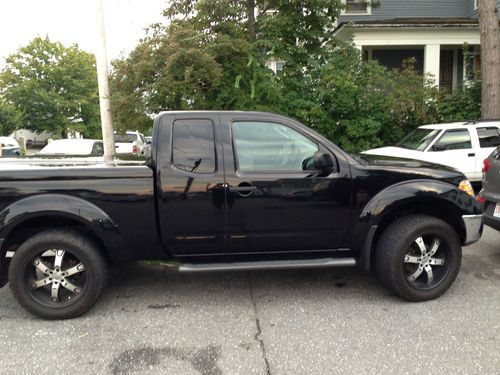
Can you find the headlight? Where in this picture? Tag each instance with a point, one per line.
(466, 187)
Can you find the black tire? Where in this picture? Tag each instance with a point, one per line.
(403, 257)
(61, 289)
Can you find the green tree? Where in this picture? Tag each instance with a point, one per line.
(55, 87)
(10, 118)
(214, 54)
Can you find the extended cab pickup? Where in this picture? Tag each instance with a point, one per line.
(230, 191)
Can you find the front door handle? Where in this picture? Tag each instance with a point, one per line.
(243, 190)
(471, 154)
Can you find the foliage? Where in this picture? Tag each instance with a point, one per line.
(213, 56)
(55, 87)
(360, 104)
(10, 118)
(463, 104)
(210, 57)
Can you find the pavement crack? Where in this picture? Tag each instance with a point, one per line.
(258, 334)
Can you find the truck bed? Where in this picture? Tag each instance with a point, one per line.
(86, 189)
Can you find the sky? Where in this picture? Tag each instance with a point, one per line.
(74, 21)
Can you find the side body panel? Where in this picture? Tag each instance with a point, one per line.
(287, 212)
(116, 203)
(191, 206)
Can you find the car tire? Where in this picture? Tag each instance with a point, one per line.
(57, 274)
(418, 257)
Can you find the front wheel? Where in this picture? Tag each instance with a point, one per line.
(418, 257)
(57, 274)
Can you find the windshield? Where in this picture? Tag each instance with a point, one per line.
(419, 139)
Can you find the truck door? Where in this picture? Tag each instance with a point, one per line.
(190, 184)
(274, 205)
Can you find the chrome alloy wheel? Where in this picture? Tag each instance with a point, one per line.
(425, 262)
(56, 277)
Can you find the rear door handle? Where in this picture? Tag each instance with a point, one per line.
(471, 154)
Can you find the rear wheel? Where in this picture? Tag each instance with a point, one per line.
(57, 274)
(418, 257)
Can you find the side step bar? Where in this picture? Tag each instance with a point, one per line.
(269, 265)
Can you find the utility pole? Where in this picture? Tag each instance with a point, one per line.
(103, 82)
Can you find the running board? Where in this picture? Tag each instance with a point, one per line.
(269, 265)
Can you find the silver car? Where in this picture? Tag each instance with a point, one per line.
(132, 142)
(490, 193)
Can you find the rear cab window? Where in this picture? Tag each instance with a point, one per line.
(193, 146)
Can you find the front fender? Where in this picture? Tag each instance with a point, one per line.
(68, 207)
(417, 190)
(433, 193)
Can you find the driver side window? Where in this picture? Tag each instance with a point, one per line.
(455, 139)
(271, 147)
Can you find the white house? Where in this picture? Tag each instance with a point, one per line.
(433, 32)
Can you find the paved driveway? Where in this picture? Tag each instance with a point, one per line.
(152, 320)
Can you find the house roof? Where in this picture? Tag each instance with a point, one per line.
(411, 23)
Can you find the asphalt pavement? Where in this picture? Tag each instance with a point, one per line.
(152, 320)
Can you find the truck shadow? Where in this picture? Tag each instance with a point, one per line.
(162, 288)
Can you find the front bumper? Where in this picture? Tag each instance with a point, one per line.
(473, 228)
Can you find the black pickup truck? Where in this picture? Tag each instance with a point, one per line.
(228, 191)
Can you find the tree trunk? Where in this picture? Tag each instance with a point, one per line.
(252, 32)
(490, 59)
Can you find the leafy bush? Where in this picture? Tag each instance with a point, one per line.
(463, 104)
(360, 104)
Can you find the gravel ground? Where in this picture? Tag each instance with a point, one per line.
(154, 321)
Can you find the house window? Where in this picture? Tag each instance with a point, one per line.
(357, 7)
(275, 65)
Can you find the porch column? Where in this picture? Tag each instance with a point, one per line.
(432, 56)
(455, 69)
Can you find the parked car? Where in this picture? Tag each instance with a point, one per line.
(461, 145)
(132, 142)
(227, 191)
(10, 147)
(74, 147)
(490, 193)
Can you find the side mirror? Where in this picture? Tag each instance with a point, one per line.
(324, 163)
(438, 147)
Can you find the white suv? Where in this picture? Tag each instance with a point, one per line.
(460, 145)
(132, 142)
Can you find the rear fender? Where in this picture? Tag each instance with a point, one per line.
(67, 207)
